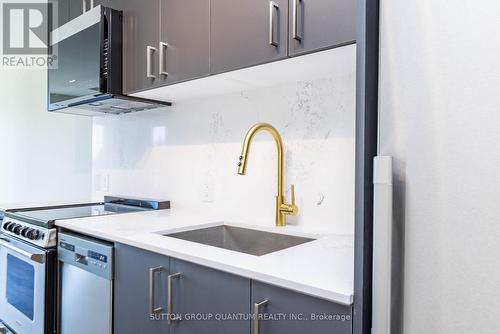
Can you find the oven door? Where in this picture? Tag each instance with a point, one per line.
(23, 271)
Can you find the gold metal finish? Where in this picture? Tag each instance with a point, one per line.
(282, 208)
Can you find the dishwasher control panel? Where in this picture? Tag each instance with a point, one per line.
(86, 253)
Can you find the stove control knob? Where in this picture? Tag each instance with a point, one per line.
(28, 233)
(17, 229)
(33, 234)
(24, 231)
(6, 225)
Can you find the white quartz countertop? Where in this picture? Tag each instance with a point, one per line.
(322, 268)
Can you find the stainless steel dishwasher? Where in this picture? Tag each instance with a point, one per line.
(85, 285)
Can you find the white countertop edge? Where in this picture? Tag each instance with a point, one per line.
(337, 297)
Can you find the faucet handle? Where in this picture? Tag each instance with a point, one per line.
(290, 209)
(295, 208)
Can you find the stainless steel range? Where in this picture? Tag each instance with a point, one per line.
(28, 260)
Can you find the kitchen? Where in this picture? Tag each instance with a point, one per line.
(132, 202)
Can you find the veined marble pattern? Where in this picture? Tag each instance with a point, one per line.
(188, 153)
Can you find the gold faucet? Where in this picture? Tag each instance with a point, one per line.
(282, 208)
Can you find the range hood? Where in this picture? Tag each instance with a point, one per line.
(87, 78)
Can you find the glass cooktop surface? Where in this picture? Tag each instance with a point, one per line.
(77, 211)
(66, 213)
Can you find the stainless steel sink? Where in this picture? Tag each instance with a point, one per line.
(239, 239)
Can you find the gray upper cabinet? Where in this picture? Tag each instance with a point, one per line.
(69, 9)
(320, 24)
(115, 4)
(76, 8)
(141, 37)
(247, 32)
(205, 291)
(184, 49)
(140, 291)
(170, 41)
(268, 300)
(62, 13)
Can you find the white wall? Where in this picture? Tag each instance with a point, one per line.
(44, 157)
(188, 153)
(440, 118)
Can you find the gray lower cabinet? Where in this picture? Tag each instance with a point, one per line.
(271, 304)
(140, 287)
(184, 50)
(148, 286)
(209, 294)
(247, 32)
(141, 37)
(320, 24)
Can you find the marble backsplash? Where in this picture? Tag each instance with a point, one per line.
(188, 153)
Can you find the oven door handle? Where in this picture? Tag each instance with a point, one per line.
(36, 257)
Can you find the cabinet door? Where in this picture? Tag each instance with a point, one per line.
(208, 292)
(114, 4)
(140, 286)
(62, 7)
(141, 29)
(296, 308)
(76, 8)
(247, 32)
(320, 24)
(70, 9)
(184, 50)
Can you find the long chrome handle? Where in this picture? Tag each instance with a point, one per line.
(170, 305)
(273, 8)
(36, 257)
(152, 307)
(256, 315)
(163, 58)
(295, 20)
(149, 66)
